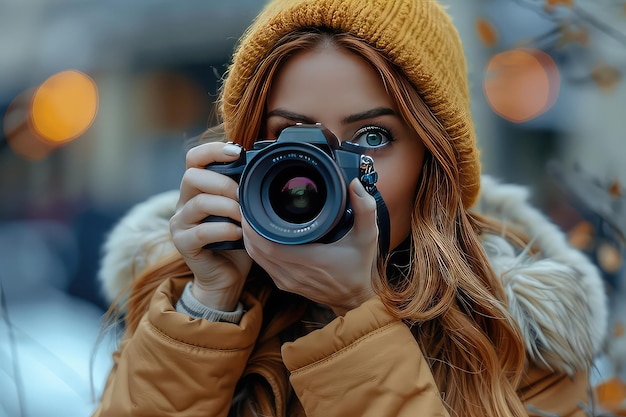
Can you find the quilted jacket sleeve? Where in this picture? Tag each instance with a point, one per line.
(364, 364)
(368, 364)
(174, 365)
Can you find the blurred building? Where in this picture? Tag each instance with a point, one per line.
(155, 67)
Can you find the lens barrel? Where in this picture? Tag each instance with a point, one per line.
(293, 193)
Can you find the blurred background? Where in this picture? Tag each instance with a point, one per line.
(97, 99)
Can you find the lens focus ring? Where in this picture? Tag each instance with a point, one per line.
(292, 193)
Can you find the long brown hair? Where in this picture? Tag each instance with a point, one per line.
(448, 295)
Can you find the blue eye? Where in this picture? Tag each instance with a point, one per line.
(372, 137)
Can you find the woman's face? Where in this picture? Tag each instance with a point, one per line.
(346, 95)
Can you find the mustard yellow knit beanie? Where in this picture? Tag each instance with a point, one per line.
(417, 35)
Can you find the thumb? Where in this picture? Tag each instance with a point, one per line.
(364, 206)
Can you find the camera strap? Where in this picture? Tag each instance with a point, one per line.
(383, 222)
(368, 178)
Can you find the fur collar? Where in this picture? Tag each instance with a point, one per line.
(558, 299)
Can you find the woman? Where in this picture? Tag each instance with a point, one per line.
(480, 310)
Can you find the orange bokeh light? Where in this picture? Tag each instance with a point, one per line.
(521, 84)
(64, 106)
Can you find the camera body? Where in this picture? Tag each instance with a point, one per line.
(294, 190)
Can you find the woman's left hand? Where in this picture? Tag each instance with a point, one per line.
(337, 274)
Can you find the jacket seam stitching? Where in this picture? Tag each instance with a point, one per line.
(175, 342)
(344, 349)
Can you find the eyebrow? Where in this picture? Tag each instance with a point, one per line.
(290, 116)
(368, 114)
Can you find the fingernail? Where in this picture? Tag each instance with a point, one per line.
(232, 149)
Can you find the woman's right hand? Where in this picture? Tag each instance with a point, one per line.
(218, 275)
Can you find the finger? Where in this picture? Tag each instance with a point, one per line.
(364, 206)
(270, 255)
(252, 241)
(202, 181)
(207, 153)
(192, 239)
(258, 247)
(203, 205)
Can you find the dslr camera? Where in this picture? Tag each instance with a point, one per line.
(294, 190)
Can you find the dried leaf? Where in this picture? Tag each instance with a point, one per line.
(611, 393)
(554, 3)
(486, 32)
(606, 76)
(581, 235)
(550, 5)
(618, 330)
(615, 189)
(572, 35)
(609, 258)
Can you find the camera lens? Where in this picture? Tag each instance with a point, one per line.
(297, 194)
(292, 193)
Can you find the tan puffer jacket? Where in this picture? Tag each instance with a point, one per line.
(364, 364)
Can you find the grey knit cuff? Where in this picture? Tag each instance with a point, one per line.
(189, 305)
